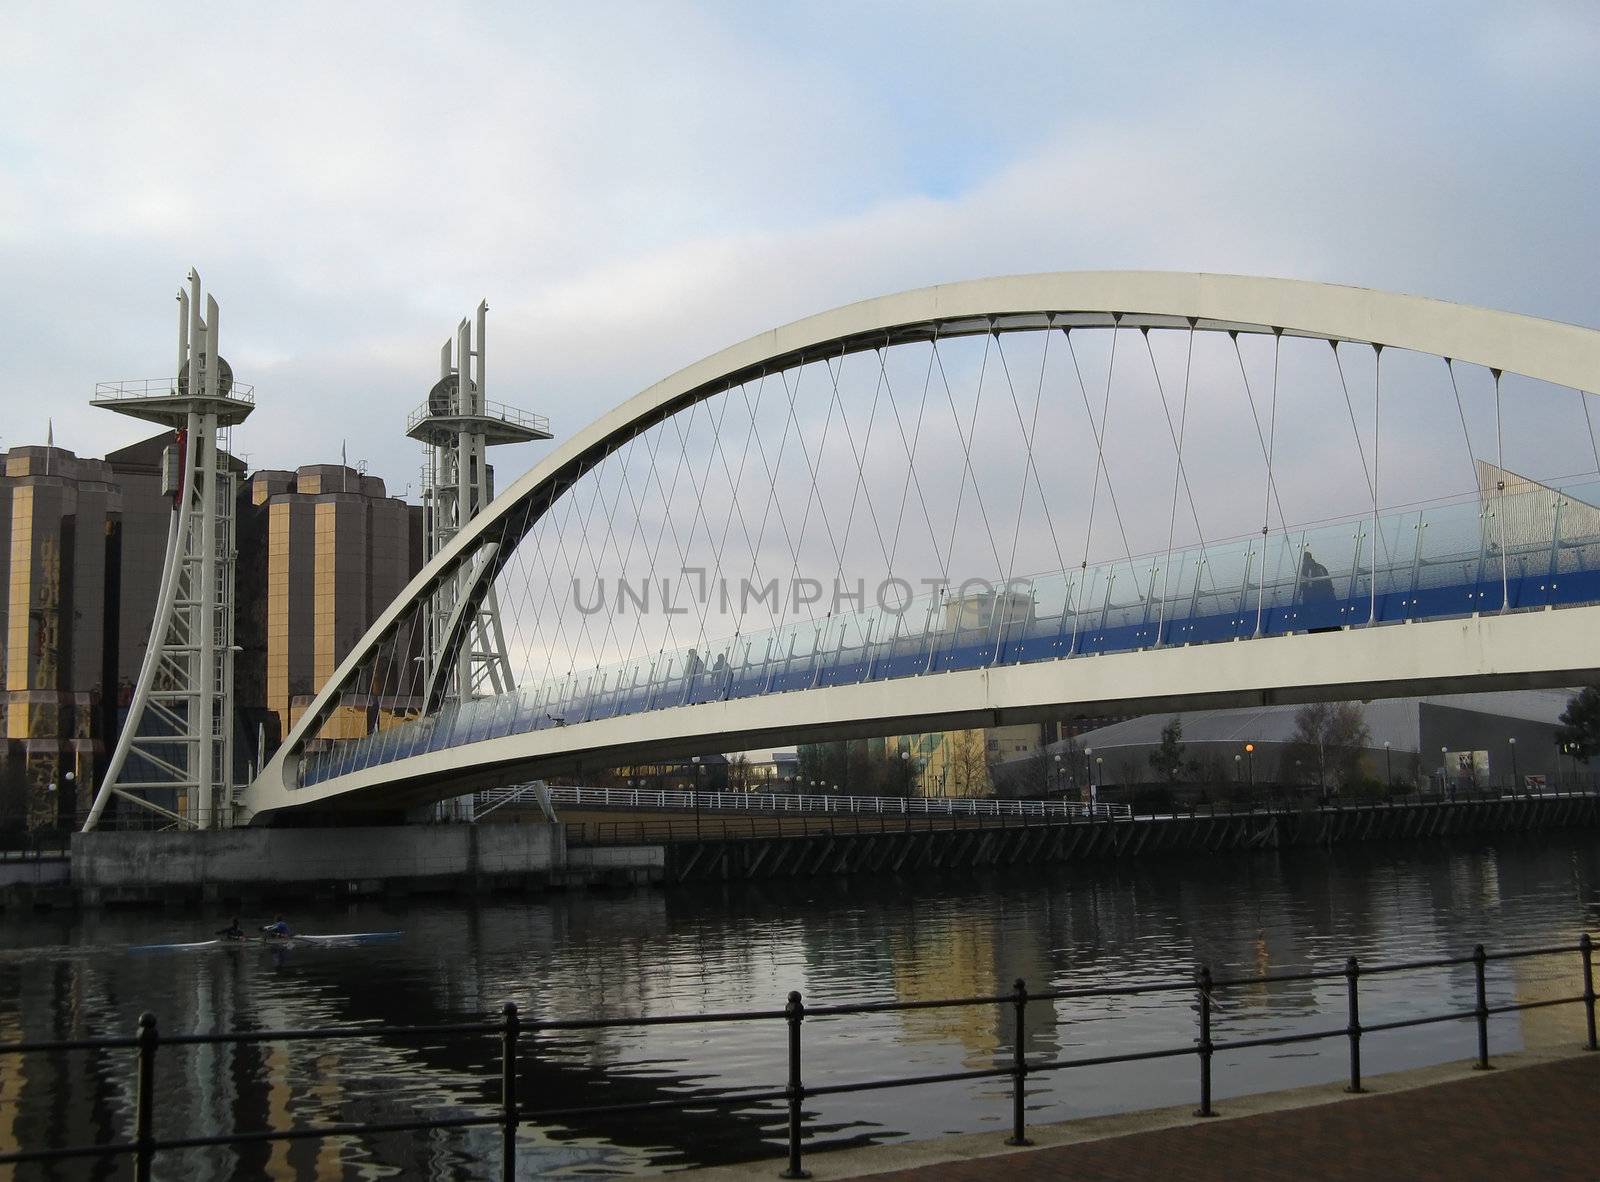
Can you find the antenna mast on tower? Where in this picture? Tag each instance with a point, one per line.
(174, 756)
(456, 427)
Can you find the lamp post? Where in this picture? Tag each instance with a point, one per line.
(1250, 750)
(1088, 767)
(1238, 769)
(694, 790)
(1058, 773)
(905, 772)
(1515, 780)
(1388, 764)
(1444, 766)
(1100, 775)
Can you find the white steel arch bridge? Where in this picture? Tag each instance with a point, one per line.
(1002, 500)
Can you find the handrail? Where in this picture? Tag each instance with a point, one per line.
(781, 802)
(511, 1115)
(157, 387)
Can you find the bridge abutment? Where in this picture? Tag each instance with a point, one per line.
(110, 867)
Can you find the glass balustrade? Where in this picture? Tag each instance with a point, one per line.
(1516, 551)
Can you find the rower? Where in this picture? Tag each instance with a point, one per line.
(278, 929)
(233, 931)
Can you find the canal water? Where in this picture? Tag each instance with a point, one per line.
(659, 952)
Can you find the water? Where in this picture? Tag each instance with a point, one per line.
(743, 946)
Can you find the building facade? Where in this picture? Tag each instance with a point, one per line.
(322, 550)
(58, 630)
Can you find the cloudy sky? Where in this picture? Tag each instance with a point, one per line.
(634, 185)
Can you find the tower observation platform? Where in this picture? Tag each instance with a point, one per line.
(440, 420)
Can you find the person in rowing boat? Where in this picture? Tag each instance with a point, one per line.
(233, 931)
(278, 929)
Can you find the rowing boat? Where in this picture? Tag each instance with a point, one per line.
(322, 938)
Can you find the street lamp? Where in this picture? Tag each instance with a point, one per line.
(1512, 743)
(1088, 766)
(1250, 750)
(1388, 763)
(905, 772)
(1238, 770)
(1058, 772)
(694, 793)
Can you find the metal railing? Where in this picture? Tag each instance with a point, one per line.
(780, 802)
(35, 847)
(159, 387)
(512, 1113)
(491, 410)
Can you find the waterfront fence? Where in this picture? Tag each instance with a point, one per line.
(142, 1145)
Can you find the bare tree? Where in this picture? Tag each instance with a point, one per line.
(967, 763)
(1329, 738)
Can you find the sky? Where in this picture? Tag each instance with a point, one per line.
(635, 185)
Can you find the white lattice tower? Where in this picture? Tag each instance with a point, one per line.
(174, 756)
(465, 653)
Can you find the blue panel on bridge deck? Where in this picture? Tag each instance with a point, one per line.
(1534, 576)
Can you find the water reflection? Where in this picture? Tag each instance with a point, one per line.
(735, 947)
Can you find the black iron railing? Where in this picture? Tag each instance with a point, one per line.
(143, 1146)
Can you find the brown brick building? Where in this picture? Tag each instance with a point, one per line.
(322, 550)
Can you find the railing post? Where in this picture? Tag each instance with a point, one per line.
(144, 1097)
(508, 1094)
(1482, 1011)
(794, 1014)
(1019, 1067)
(1586, 946)
(1203, 987)
(1352, 972)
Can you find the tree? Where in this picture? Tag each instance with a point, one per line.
(967, 763)
(1330, 737)
(1167, 759)
(739, 773)
(1579, 731)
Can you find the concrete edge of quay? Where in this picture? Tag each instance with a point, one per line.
(864, 1162)
(112, 868)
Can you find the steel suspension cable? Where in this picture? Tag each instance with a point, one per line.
(1099, 431)
(1377, 454)
(966, 454)
(1270, 492)
(1029, 434)
(1255, 418)
(1583, 400)
(910, 448)
(1500, 486)
(1178, 475)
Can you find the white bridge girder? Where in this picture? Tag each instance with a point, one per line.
(1555, 647)
(1562, 354)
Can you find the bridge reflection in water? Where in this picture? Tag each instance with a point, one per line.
(1525, 550)
(722, 948)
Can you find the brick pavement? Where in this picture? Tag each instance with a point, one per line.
(1536, 1122)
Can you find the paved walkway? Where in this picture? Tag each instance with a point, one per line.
(1540, 1121)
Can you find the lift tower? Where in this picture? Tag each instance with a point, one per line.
(457, 426)
(174, 755)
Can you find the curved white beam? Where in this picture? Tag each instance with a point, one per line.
(1517, 651)
(1563, 354)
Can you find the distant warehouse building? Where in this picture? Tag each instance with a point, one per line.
(1479, 740)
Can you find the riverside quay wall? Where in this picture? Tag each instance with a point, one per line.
(109, 867)
(878, 845)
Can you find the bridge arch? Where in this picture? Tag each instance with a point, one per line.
(1547, 351)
